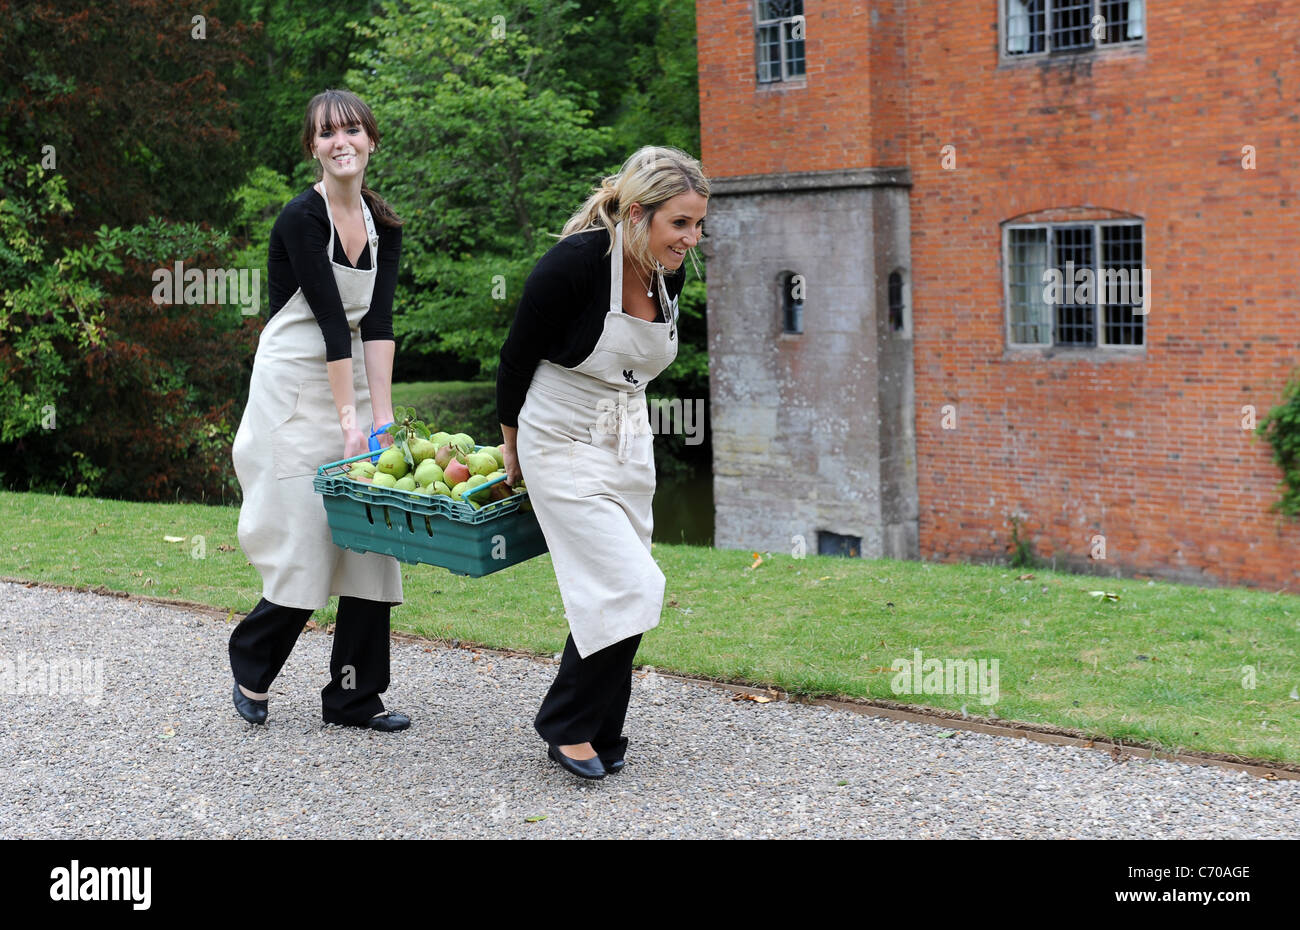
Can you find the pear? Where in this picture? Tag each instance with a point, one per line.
(367, 468)
(455, 472)
(440, 487)
(444, 455)
(427, 472)
(384, 480)
(427, 492)
(406, 483)
(463, 442)
(440, 439)
(422, 449)
(392, 462)
(459, 489)
(498, 453)
(481, 463)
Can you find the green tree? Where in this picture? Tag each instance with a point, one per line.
(296, 49)
(485, 157)
(127, 104)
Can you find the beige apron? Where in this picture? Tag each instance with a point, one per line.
(586, 452)
(289, 428)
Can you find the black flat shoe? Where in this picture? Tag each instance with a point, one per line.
(583, 768)
(385, 722)
(250, 710)
(388, 722)
(612, 758)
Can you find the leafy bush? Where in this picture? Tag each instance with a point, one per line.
(106, 392)
(1280, 427)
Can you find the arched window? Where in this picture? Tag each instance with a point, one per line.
(792, 295)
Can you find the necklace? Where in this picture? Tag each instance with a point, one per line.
(637, 272)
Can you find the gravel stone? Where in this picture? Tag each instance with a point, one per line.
(162, 753)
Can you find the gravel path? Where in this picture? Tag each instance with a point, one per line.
(700, 764)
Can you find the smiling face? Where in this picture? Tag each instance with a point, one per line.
(342, 146)
(675, 227)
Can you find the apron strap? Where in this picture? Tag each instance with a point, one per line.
(616, 270)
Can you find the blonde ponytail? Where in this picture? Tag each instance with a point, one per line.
(651, 176)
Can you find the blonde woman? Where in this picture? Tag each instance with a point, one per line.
(596, 322)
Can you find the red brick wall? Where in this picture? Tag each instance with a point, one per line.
(1147, 451)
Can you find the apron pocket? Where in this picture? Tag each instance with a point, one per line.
(301, 443)
(597, 470)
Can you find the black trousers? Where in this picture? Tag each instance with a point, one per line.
(261, 643)
(588, 700)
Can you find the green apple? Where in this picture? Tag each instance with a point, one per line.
(405, 483)
(427, 472)
(392, 462)
(384, 480)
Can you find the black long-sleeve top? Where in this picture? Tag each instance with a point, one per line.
(296, 258)
(561, 314)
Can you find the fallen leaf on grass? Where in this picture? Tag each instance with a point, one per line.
(225, 547)
(312, 625)
(1105, 594)
(1025, 577)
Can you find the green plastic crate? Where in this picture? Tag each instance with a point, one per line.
(428, 530)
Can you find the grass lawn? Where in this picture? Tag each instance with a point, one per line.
(1175, 666)
(418, 393)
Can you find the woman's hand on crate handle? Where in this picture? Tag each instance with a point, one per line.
(508, 456)
(355, 442)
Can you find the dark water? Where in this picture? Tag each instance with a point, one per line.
(683, 509)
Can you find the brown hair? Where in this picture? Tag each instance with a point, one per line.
(335, 109)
